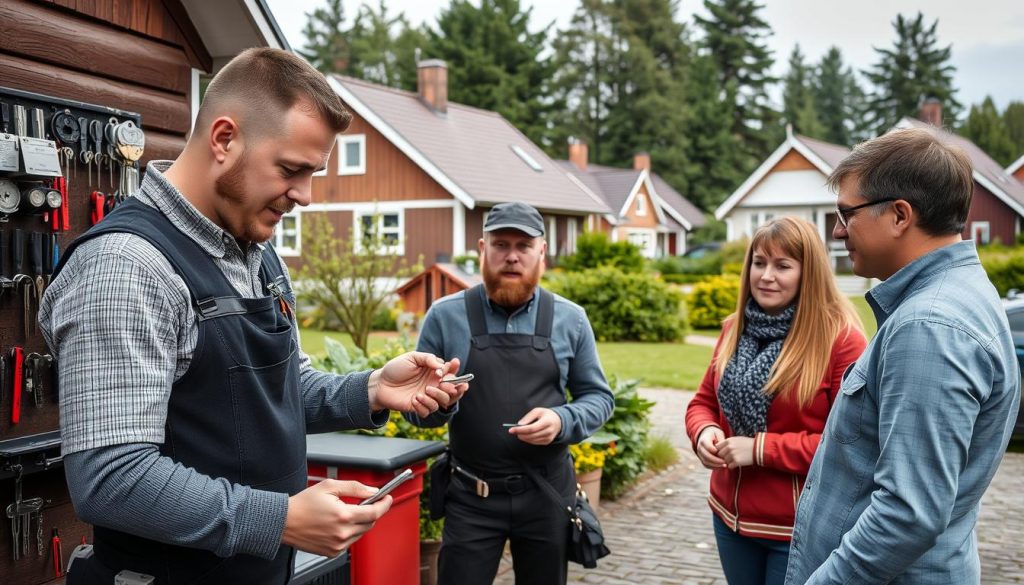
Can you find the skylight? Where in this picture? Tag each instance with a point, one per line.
(529, 160)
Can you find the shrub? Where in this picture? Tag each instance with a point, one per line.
(1004, 266)
(630, 422)
(713, 300)
(593, 250)
(660, 453)
(624, 307)
(709, 264)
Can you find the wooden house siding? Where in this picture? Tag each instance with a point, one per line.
(390, 175)
(793, 161)
(136, 56)
(474, 229)
(1001, 219)
(88, 63)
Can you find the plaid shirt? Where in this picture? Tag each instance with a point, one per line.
(123, 328)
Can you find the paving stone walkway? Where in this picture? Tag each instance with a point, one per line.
(660, 533)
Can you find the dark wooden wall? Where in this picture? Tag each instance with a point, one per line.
(987, 207)
(133, 55)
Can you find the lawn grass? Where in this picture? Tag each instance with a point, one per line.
(669, 365)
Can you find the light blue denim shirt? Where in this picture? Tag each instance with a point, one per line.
(918, 431)
(445, 333)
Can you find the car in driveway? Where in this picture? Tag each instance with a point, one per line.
(1013, 304)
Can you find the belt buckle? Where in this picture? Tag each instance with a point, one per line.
(482, 488)
(515, 484)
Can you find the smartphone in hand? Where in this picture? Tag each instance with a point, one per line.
(388, 487)
(458, 379)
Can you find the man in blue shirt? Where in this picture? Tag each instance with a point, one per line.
(524, 346)
(924, 416)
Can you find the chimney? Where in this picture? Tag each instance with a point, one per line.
(931, 112)
(432, 84)
(578, 153)
(642, 161)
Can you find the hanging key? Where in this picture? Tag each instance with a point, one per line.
(39, 533)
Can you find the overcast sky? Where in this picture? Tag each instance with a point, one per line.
(987, 35)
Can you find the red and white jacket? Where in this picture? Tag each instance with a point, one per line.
(760, 500)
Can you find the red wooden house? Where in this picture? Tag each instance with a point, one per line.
(424, 171)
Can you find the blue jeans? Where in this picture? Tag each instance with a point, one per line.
(750, 561)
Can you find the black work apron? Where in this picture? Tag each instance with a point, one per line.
(236, 414)
(513, 374)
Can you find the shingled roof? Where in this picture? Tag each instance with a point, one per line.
(615, 186)
(476, 155)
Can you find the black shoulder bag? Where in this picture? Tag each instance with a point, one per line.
(584, 535)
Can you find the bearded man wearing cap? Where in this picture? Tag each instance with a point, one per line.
(525, 346)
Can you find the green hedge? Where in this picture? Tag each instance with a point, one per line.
(1004, 266)
(593, 250)
(624, 307)
(712, 300)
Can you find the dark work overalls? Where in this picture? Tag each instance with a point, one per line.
(514, 373)
(236, 413)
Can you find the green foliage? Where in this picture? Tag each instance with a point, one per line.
(719, 160)
(1004, 266)
(495, 63)
(622, 73)
(799, 108)
(378, 47)
(677, 265)
(839, 101)
(660, 453)
(713, 300)
(593, 250)
(631, 423)
(734, 34)
(342, 279)
(987, 128)
(1013, 117)
(911, 71)
(624, 306)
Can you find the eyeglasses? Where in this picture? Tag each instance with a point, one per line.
(844, 214)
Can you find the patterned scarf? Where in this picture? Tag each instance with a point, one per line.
(740, 392)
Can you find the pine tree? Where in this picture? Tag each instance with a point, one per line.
(378, 47)
(987, 129)
(494, 62)
(622, 70)
(735, 34)
(327, 46)
(799, 109)
(383, 47)
(839, 101)
(716, 156)
(1013, 118)
(915, 69)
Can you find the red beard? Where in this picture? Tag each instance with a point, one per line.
(510, 292)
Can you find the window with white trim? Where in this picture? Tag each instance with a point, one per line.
(552, 236)
(352, 154)
(390, 226)
(981, 232)
(288, 235)
(641, 204)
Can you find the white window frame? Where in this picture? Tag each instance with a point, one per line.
(641, 204)
(280, 232)
(357, 229)
(552, 236)
(985, 230)
(342, 147)
(650, 249)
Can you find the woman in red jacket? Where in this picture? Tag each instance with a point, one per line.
(758, 415)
